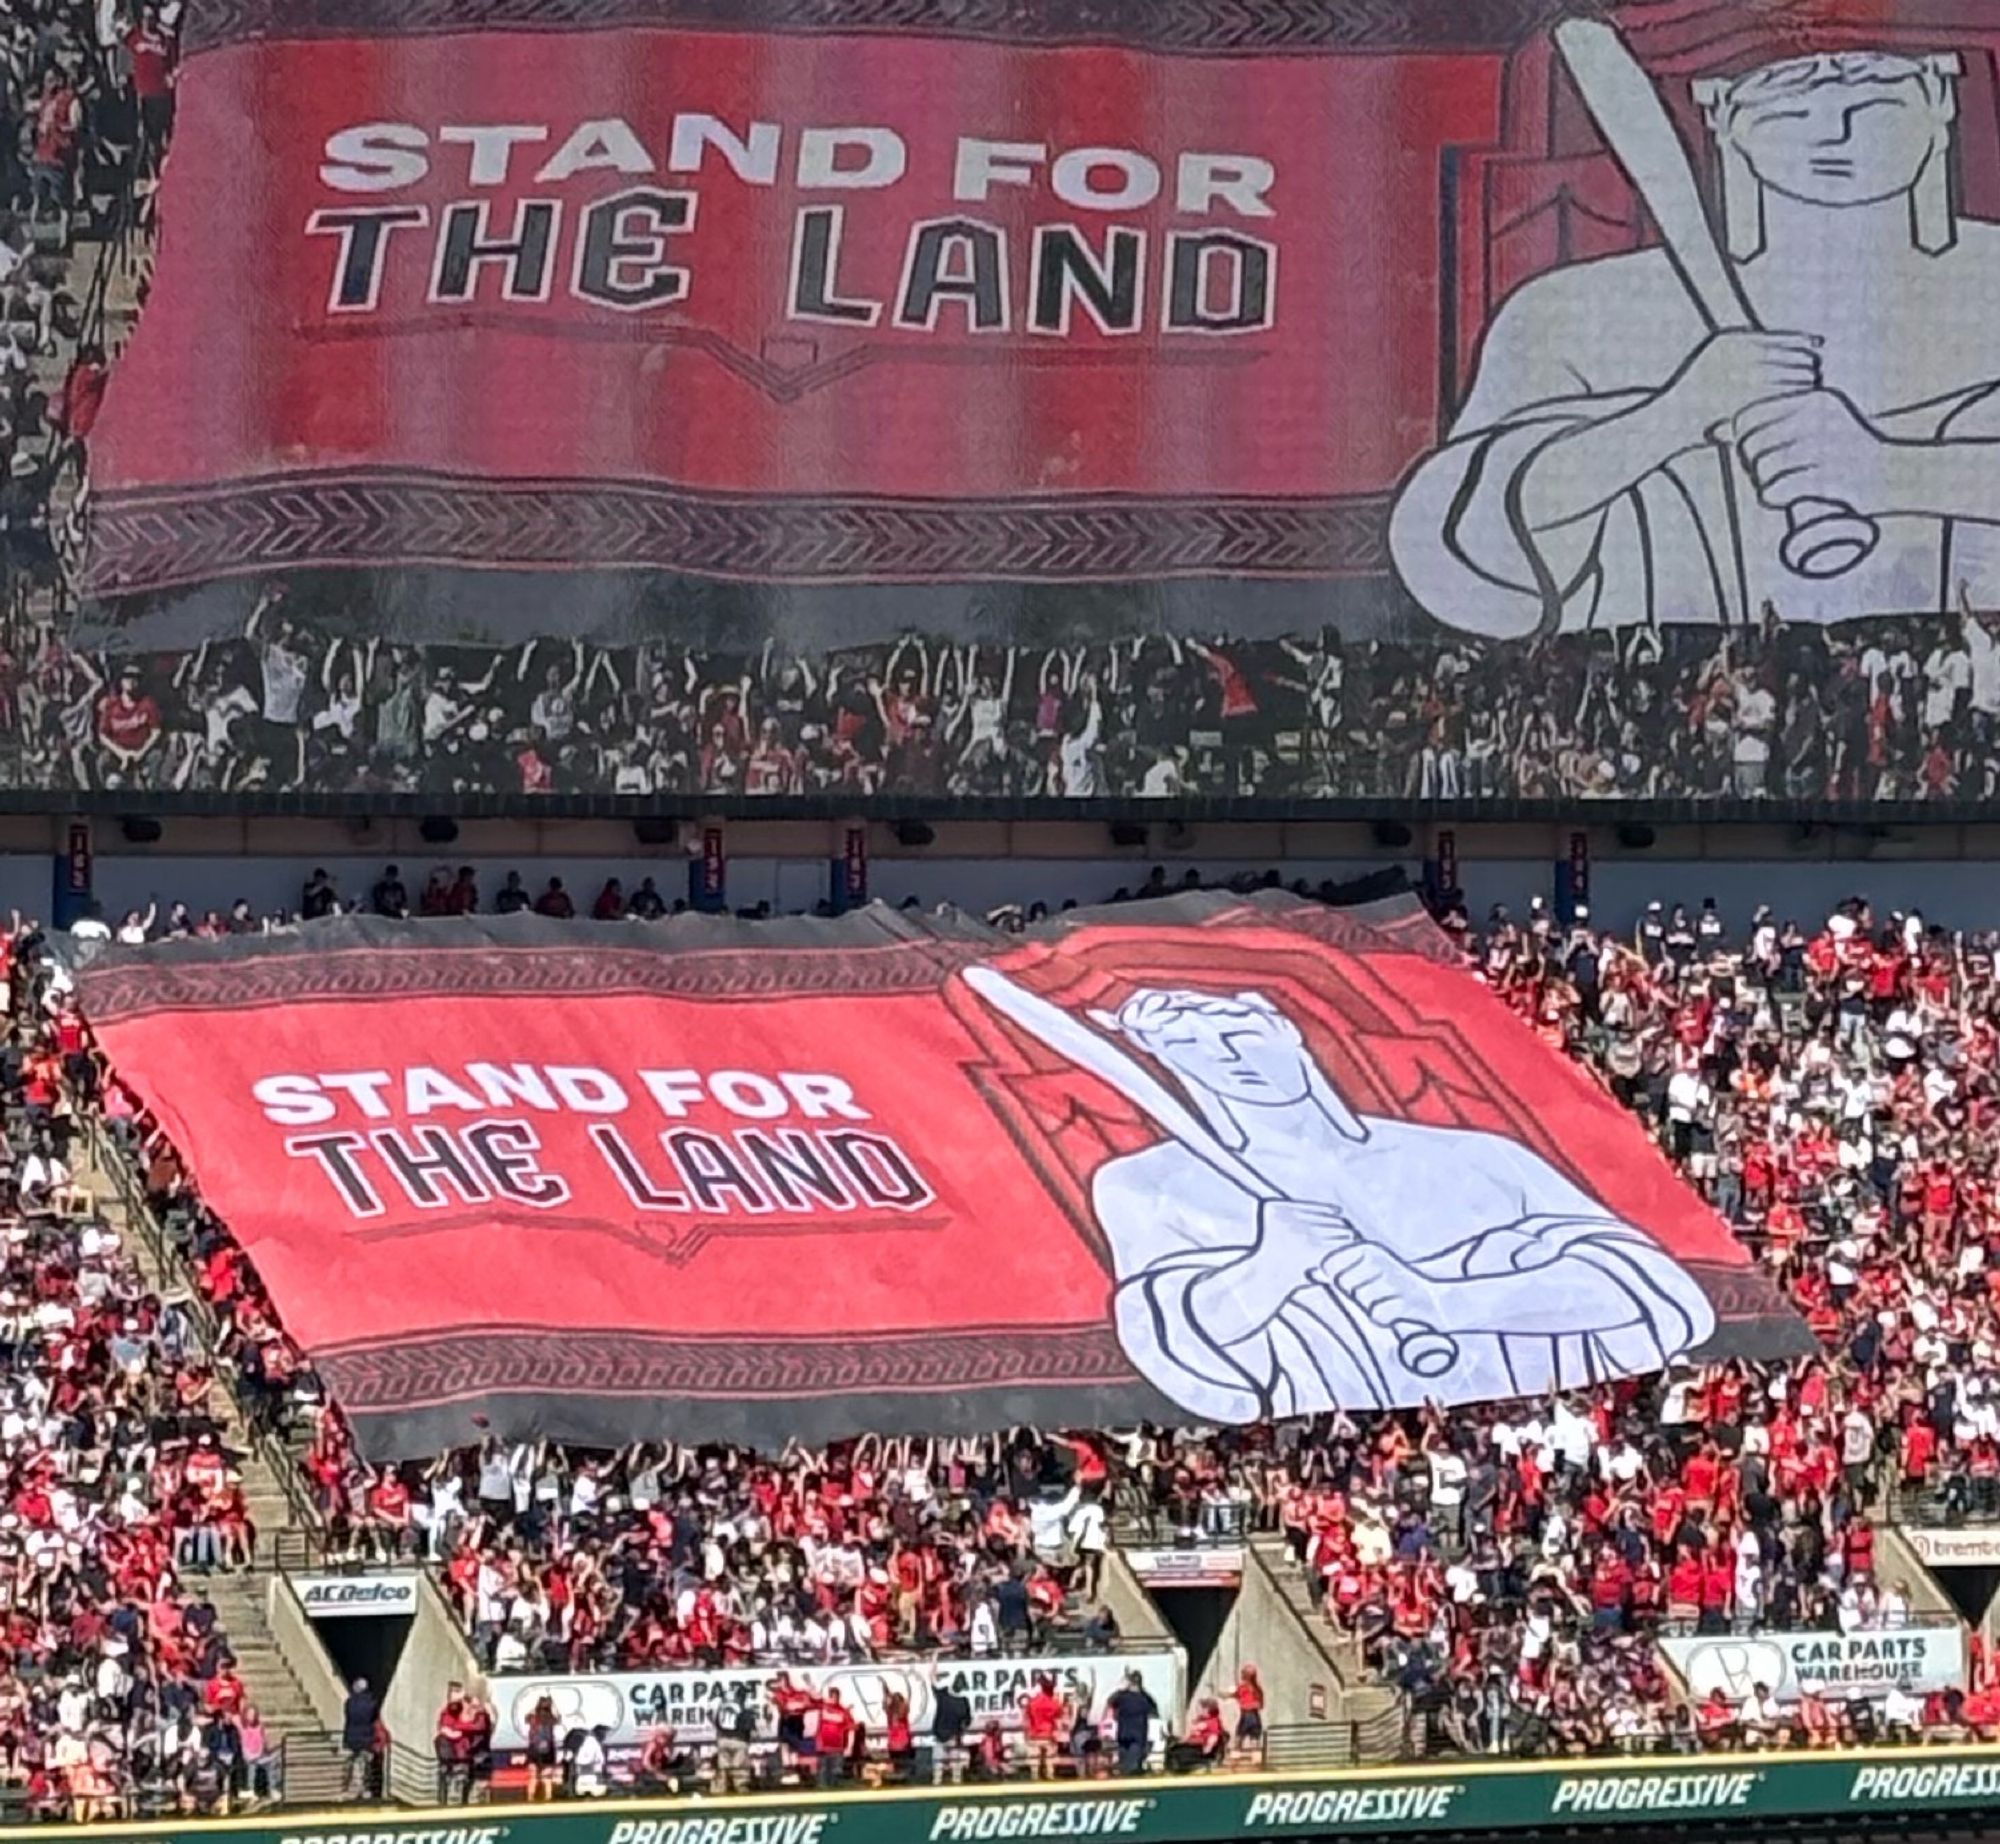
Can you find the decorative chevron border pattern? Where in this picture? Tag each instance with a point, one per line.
(473, 958)
(457, 964)
(1183, 27)
(476, 1360)
(165, 539)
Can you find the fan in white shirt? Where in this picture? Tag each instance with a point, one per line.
(588, 1777)
(1621, 1464)
(856, 1638)
(787, 1635)
(1760, 1711)
(1048, 1520)
(1749, 1586)
(73, 1706)
(825, 1638)
(1448, 1475)
(1902, 1708)
(983, 1631)
(1089, 1529)
(1536, 1632)
(40, 1179)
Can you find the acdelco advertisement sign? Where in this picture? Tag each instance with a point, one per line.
(350, 1597)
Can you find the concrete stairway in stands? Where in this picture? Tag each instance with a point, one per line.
(312, 1757)
(1341, 1648)
(241, 1596)
(1373, 1711)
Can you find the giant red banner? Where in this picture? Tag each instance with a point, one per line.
(899, 291)
(861, 292)
(1215, 1159)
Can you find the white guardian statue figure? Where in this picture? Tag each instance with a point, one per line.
(1645, 430)
(1279, 1254)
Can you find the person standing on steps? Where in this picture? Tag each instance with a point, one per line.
(358, 1740)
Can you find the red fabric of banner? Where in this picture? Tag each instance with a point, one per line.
(732, 394)
(512, 1172)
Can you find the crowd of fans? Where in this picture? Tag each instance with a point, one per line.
(656, 1557)
(1509, 1567)
(86, 99)
(447, 891)
(790, 1733)
(312, 697)
(1832, 1089)
(119, 1695)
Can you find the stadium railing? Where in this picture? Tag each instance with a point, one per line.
(1310, 1747)
(1741, 1629)
(1139, 1526)
(1938, 1507)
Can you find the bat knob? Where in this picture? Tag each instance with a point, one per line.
(1826, 540)
(1425, 1353)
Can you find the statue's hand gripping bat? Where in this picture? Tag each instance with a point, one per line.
(1825, 539)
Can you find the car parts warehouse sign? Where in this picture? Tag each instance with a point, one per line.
(1392, 1802)
(629, 1703)
(1840, 1665)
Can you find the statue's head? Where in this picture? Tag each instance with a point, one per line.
(1237, 1046)
(1839, 130)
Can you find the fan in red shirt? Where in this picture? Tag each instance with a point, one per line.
(57, 133)
(151, 48)
(82, 397)
(128, 721)
(1920, 1445)
(390, 1528)
(835, 1737)
(1045, 1722)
